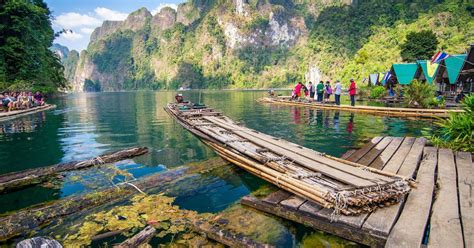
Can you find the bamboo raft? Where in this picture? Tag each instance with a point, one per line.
(345, 187)
(438, 213)
(385, 111)
(4, 116)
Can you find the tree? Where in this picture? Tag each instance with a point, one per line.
(25, 37)
(419, 45)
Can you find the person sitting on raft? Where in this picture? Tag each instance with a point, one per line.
(39, 101)
(179, 98)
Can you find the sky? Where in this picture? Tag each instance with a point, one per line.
(83, 16)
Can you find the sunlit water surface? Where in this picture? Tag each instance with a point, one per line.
(86, 125)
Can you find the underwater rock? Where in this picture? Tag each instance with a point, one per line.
(42, 242)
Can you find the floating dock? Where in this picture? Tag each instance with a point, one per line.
(385, 111)
(439, 212)
(4, 116)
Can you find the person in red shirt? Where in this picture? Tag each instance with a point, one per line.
(352, 92)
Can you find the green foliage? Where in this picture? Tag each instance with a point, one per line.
(457, 132)
(419, 46)
(378, 92)
(26, 36)
(419, 94)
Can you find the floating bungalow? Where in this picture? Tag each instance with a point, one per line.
(466, 75)
(448, 72)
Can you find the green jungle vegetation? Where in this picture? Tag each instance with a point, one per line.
(457, 132)
(344, 41)
(26, 63)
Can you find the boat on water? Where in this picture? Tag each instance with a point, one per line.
(346, 187)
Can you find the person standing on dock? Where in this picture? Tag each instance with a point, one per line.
(327, 92)
(337, 92)
(312, 90)
(298, 87)
(320, 91)
(352, 92)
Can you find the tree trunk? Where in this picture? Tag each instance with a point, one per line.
(30, 177)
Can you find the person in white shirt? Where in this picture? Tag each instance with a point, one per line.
(337, 92)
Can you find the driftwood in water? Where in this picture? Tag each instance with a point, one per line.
(224, 236)
(143, 237)
(39, 175)
(26, 220)
(205, 228)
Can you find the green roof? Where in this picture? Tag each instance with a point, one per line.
(424, 68)
(454, 64)
(405, 72)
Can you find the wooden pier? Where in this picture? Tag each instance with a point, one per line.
(4, 116)
(385, 111)
(439, 212)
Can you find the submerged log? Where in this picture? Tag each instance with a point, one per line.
(143, 237)
(29, 177)
(24, 221)
(224, 236)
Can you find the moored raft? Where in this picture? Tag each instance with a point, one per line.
(386, 111)
(4, 116)
(346, 187)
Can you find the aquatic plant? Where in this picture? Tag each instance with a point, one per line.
(419, 94)
(155, 210)
(457, 131)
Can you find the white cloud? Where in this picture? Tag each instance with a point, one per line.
(87, 30)
(73, 20)
(108, 14)
(162, 5)
(72, 36)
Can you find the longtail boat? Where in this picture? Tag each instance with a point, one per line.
(346, 187)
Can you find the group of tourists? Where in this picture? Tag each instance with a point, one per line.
(322, 92)
(20, 100)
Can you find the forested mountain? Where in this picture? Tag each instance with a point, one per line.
(261, 43)
(26, 62)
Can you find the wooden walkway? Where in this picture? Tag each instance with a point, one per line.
(438, 212)
(4, 116)
(385, 111)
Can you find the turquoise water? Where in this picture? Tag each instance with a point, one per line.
(86, 125)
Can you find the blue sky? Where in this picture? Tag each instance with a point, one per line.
(83, 16)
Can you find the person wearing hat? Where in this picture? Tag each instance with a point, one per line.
(337, 92)
(179, 98)
(352, 92)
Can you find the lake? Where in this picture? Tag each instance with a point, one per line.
(86, 125)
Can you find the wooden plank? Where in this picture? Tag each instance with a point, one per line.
(397, 159)
(413, 158)
(375, 151)
(348, 153)
(410, 227)
(445, 222)
(293, 202)
(365, 149)
(316, 222)
(465, 171)
(382, 220)
(277, 197)
(387, 154)
(310, 207)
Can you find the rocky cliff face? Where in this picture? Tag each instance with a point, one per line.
(239, 25)
(238, 43)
